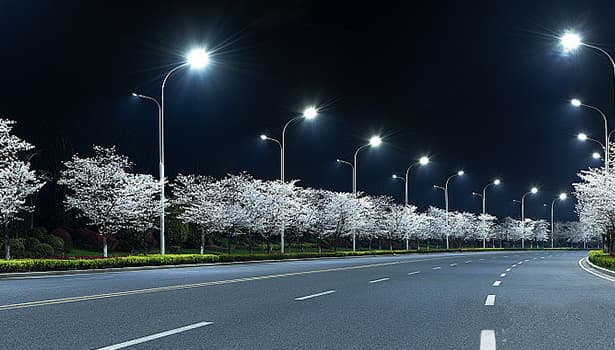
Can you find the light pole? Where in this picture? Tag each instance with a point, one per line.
(483, 196)
(422, 161)
(562, 196)
(533, 190)
(197, 59)
(577, 103)
(309, 113)
(445, 189)
(341, 161)
(402, 179)
(570, 41)
(374, 141)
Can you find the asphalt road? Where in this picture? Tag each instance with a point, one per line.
(446, 301)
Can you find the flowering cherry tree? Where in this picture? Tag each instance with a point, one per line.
(17, 180)
(102, 190)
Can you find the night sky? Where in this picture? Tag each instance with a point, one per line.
(478, 85)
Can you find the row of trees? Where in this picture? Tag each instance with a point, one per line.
(596, 203)
(105, 192)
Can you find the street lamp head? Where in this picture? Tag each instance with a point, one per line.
(497, 182)
(134, 94)
(476, 194)
(394, 176)
(534, 190)
(596, 155)
(460, 173)
(570, 41)
(562, 196)
(375, 141)
(310, 113)
(424, 160)
(263, 137)
(197, 58)
(582, 136)
(575, 102)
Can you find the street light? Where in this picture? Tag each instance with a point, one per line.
(445, 189)
(596, 155)
(562, 197)
(309, 113)
(422, 161)
(374, 141)
(577, 103)
(533, 190)
(483, 196)
(196, 59)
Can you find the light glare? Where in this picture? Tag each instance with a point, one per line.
(263, 137)
(570, 41)
(375, 141)
(562, 196)
(310, 113)
(534, 190)
(460, 173)
(424, 160)
(575, 102)
(596, 155)
(198, 58)
(496, 181)
(582, 136)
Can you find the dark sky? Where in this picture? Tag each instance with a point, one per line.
(478, 85)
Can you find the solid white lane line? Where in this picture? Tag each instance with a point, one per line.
(453, 264)
(592, 272)
(314, 295)
(502, 275)
(497, 283)
(469, 261)
(379, 280)
(490, 301)
(436, 268)
(414, 273)
(487, 339)
(155, 336)
(508, 269)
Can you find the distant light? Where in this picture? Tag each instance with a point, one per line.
(582, 137)
(570, 41)
(424, 160)
(460, 173)
(534, 190)
(310, 113)
(198, 58)
(337, 160)
(375, 141)
(596, 155)
(496, 181)
(134, 94)
(575, 102)
(394, 176)
(263, 137)
(562, 196)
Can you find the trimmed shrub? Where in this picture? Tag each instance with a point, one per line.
(31, 243)
(65, 236)
(43, 250)
(38, 233)
(56, 243)
(597, 257)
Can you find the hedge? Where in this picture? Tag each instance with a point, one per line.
(598, 257)
(65, 264)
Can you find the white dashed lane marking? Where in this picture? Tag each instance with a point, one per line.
(490, 301)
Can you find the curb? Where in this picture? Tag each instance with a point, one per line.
(596, 270)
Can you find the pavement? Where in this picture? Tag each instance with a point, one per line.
(503, 300)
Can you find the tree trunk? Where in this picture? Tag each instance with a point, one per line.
(250, 242)
(7, 246)
(418, 244)
(228, 242)
(104, 239)
(370, 243)
(202, 242)
(268, 246)
(390, 243)
(318, 244)
(302, 248)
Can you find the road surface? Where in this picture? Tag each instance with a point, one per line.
(508, 300)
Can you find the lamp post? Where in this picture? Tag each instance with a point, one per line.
(309, 113)
(571, 41)
(577, 103)
(374, 141)
(422, 161)
(483, 196)
(445, 189)
(562, 196)
(197, 59)
(341, 161)
(533, 190)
